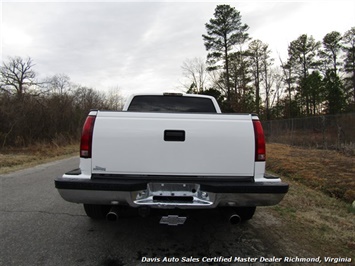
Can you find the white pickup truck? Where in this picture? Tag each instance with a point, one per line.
(172, 152)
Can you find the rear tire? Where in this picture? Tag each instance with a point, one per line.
(96, 212)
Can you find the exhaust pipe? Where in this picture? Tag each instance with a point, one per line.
(235, 219)
(112, 215)
(232, 215)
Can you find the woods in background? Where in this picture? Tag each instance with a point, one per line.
(318, 77)
(52, 110)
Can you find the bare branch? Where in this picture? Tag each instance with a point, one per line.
(17, 74)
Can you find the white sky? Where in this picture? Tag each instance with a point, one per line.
(140, 46)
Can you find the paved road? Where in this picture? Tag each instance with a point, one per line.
(39, 228)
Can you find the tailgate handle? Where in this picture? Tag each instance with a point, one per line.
(174, 135)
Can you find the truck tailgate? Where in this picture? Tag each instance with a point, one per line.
(173, 144)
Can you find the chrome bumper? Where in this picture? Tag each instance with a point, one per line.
(182, 195)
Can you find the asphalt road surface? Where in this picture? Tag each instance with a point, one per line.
(39, 228)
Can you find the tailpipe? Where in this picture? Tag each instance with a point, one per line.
(232, 216)
(235, 219)
(112, 215)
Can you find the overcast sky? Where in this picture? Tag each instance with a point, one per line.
(140, 46)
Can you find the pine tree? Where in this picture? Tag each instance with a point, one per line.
(334, 92)
(224, 31)
(332, 47)
(349, 64)
(302, 55)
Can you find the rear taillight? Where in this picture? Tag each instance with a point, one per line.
(260, 151)
(86, 137)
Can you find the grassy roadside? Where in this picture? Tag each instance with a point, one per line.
(323, 170)
(315, 218)
(321, 225)
(17, 159)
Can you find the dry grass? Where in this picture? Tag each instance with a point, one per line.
(319, 223)
(328, 171)
(12, 159)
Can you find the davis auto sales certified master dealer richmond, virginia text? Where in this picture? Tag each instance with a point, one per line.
(232, 259)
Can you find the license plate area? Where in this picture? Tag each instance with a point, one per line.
(173, 189)
(173, 199)
(173, 195)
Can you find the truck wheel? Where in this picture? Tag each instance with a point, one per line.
(246, 213)
(96, 212)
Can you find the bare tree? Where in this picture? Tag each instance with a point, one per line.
(278, 80)
(268, 76)
(255, 52)
(289, 79)
(60, 83)
(114, 99)
(194, 70)
(17, 75)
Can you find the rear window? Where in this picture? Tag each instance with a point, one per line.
(171, 104)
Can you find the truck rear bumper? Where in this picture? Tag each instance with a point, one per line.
(185, 195)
